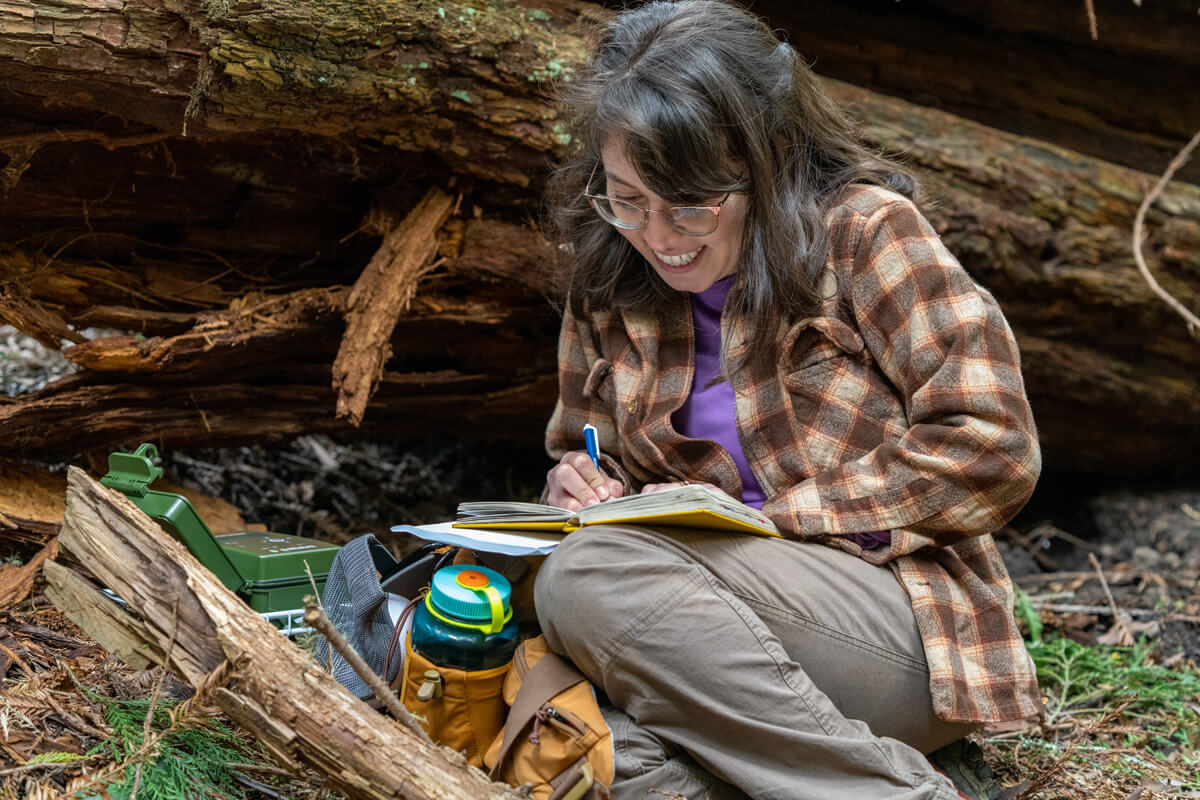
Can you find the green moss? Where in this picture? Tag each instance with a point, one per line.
(538, 14)
(461, 94)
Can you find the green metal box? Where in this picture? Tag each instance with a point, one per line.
(266, 569)
(272, 567)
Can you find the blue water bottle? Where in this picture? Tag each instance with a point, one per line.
(466, 621)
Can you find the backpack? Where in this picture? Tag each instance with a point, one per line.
(555, 737)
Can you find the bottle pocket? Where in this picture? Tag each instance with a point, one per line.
(463, 710)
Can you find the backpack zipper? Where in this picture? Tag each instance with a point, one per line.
(564, 721)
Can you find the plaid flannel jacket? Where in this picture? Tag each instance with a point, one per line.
(900, 407)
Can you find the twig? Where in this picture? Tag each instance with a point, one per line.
(1102, 611)
(314, 617)
(1138, 233)
(1092, 25)
(148, 723)
(1118, 618)
(1041, 780)
(317, 594)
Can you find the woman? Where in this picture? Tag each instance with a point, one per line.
(756, 303)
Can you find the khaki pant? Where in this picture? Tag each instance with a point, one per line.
(746, 666)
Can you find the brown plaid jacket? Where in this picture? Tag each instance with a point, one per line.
(899, 407)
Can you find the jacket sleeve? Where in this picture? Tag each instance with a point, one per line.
(970, 457)
(583, 376)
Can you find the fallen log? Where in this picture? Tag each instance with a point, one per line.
(181, 616)
(76, 415)
(1026, 66)
(1046, 229)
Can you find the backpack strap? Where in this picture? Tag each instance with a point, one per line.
(546, 678)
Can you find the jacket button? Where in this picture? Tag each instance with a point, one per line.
(632, 407)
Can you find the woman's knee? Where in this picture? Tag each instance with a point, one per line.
(597, 581)
(571, 580)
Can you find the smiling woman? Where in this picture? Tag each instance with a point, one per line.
(756, 303)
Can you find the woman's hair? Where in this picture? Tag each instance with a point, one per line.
(705, 100)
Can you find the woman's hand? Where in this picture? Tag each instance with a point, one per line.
(650, 488)
(574, 482)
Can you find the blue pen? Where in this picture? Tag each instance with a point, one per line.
(593, 448)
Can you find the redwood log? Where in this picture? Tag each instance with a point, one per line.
(235, 207)
(1026, 66)
(449, 79)
(189, 622)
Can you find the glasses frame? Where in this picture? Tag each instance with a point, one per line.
(594, 199)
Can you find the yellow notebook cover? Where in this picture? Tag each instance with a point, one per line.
(687, 506)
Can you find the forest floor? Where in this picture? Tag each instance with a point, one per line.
(1108, 596)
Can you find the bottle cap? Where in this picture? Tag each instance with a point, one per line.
(468, 596)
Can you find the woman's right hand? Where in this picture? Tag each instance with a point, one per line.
(574, 482)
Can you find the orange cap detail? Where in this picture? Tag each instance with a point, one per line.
(473, 579)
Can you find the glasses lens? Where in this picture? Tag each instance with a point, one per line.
(619, 213)
(693, 220)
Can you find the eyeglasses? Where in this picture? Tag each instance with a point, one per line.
(689, 220)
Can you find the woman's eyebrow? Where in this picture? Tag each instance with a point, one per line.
(622, 181)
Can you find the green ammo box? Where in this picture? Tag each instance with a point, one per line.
(265, 569)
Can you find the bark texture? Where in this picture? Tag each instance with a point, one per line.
(1027, 66)
(178, 614)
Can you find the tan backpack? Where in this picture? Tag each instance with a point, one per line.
(555, 737)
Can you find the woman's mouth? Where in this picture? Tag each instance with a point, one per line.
(677, 263)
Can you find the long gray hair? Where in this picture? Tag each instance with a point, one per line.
(706, 100)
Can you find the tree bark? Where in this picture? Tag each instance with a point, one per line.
(447, 79)
(188, 621)
(1027, 66)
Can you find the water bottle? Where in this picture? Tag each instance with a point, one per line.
(466, 621)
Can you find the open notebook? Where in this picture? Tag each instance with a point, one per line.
(686, 506)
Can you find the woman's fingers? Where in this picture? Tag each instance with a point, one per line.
(575, 482)
(650, 488)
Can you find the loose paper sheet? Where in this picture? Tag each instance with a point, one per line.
(509, 543)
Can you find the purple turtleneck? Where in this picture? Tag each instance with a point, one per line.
(709, 412)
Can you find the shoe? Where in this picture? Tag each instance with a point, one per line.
(962, 762)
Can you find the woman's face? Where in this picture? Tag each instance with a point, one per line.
(686, 263)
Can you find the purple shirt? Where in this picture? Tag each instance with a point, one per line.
(709, 412)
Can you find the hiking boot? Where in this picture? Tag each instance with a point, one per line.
(962, 762)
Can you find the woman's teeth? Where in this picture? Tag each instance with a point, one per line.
(678, 261)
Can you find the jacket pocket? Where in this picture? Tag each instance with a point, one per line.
(599, 383)
(814, 342)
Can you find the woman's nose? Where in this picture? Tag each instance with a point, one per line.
(659, 235)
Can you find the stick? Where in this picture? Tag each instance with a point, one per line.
(1092, 25)
(312, 581)
(315, 617)
(1138, 233)
(148, 724)
(1118, 618)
